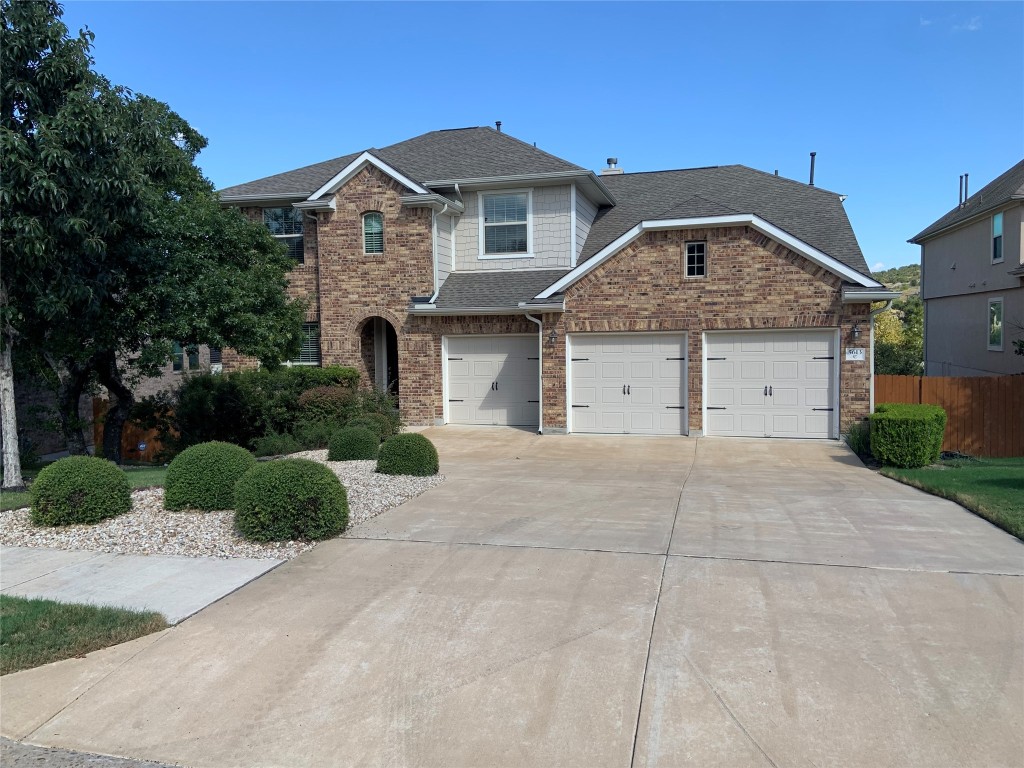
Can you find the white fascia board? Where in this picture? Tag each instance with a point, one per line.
(496, 182)
(748, 219)
(431, 309)
(357, 165)
(261, 197)
(860, 297)
(316, 205)
(433, 201)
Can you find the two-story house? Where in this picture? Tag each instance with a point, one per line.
(488, 282)
(972, 282)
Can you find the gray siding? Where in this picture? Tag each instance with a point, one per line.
(552, 236)
(956, 335)
(585, 213)
(444, 248)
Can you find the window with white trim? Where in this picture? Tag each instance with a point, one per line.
(184, 358)
(286, 225)
(506, 223)
(310, 353)
(997, 238)
(697, 259)
(373, 232)
(995, 325)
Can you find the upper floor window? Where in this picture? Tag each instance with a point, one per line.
(997, 238)
(184, 358)
(286, 225)
(506, 223)
(696, 259)
(373, 233)
(995, 325)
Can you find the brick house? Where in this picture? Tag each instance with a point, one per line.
(488, 282)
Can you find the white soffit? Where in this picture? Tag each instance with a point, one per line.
(357, 165)
(756, 222)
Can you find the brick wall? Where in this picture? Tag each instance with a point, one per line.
(752, 283)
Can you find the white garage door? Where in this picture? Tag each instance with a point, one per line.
(629, 383)
(493, 380)
(770, 383)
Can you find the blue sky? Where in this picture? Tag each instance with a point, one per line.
(897, 99)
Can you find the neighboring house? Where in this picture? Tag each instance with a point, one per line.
(972, 282)
(488, 282)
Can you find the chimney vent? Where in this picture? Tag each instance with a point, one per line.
(497, 124)
(811, 182)
(960, 202)
(613, 167)
(966, 193)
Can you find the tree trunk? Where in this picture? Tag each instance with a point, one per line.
(73, 378)
(12, 460)
(122, 400)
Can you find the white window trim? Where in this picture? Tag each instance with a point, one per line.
(992, 239)
(988, 324)
(363, 222)
(301, 258)
(686, 261)
(481, 225)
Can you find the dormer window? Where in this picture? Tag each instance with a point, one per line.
(997, 238)
(286, 225)
(506, 224)
(373, 233)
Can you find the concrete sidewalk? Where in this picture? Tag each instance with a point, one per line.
(175, 586)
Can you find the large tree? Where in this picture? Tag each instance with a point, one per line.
(114, 243)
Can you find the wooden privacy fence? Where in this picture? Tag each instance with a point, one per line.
(985, 413)
(131, 436)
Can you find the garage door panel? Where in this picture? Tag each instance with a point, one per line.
(613, 369)
(796, 367)
(641, 369)
(492, 379)
(641, 395)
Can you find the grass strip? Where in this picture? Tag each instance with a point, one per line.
(991, 488)
(36, 632)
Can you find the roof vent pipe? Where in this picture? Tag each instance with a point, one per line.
(497, 124)
(960, 202)
(613, 167)
(966, 193)
(811, 182)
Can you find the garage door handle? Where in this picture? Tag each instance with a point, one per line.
(629, 390)
(770, 392)
(766, 390)
(623, 389)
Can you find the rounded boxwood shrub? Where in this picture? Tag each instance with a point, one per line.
(408, 454)
(353, 444)
(80, 489)
(204, 476)
(907, 435)
(290, 499)
(380, 424)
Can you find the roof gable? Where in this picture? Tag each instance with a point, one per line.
(1009, 186)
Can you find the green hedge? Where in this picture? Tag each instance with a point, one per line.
(408, 454)
(326, 403)
(353, 444)
(290, 499)
(204, 476)
(79, 490)
(907, 435)
(276, 444)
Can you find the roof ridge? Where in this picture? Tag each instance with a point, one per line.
(534, 147)
(783, 178)
(664, 170)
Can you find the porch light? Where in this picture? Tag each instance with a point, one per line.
(553, 336)
(856, 330)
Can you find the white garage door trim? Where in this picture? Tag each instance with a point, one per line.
(835, 381)
(574, 340)
(446, 377)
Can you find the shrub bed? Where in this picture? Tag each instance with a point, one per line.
(79, 490)
(408, 454)
(290, 499)
(276, 444)
(907, 435)
(204, 476)
(353, 444)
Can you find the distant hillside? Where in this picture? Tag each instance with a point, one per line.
(903, 279)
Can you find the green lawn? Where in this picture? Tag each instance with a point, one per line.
(991, 488)
(37, 632)
(141, 477)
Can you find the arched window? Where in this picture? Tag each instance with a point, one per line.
(373, 233)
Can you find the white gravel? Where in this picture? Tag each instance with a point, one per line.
(149, 529)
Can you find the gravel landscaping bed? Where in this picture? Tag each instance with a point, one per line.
(149, 529)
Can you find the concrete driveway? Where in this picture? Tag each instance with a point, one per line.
(589, 601)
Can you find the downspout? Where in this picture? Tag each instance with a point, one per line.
(319, 318)
(871, 338)
(540, 374)
(433, 225)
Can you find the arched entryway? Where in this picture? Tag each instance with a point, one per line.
(378, 347)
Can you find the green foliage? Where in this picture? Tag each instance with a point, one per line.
(899, 278)
(290, 499)
(79, 490)
(314, 435)
(858, 437)
(204, 476)
(408, 454)
(899, 338)
(330, 403)
(238, 408)
(907, 435)
(38, 632)
(353, 444)
(276, 444)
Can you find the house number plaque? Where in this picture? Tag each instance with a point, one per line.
(856, 353)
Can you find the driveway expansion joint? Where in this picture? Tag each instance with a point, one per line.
(860, 566)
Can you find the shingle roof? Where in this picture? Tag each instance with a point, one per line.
(465, 290)
(1006, 187)
(811, 214)
(460, 153)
